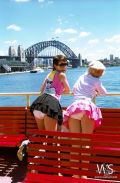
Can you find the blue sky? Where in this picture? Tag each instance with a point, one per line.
(88, 27)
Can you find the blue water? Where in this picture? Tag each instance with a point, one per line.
(31, 82)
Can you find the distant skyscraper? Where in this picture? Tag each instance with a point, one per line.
(80, 59)
(111, 57)
(21, 53)
(11, 51)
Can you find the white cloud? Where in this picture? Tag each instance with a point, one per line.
(2, 53)
(112, 50)
(72, 40)
(80, 50)
(12, 42)
(58, 31)
(69, 30)
(84, 34)
(14, 27)
(93, 41)
(115, 39)
(21, 1)
(96, 54)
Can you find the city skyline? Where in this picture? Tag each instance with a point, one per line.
(88, 27)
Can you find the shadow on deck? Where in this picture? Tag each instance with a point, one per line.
(10, 166)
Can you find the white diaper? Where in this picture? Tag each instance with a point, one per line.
(38, 114)
(78, 115)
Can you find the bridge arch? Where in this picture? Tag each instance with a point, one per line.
(34, 50)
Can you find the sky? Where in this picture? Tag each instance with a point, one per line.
(88, 27)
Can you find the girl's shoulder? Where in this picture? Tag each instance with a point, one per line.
(61, 76)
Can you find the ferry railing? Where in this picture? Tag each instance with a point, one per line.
(27, 95)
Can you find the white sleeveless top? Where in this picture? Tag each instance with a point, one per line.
(86, 87)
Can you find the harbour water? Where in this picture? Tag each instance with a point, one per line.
(31, 82)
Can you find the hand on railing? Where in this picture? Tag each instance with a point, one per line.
(66, 93)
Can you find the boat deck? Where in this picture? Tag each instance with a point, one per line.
(11, 169)
(14, 171)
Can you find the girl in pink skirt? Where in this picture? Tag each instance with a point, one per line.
(82, 116)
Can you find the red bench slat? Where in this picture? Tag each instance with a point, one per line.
(11, 140)
(44, 178)
(12, 126)
(66, 153)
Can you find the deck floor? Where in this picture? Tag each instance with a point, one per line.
(11, 169)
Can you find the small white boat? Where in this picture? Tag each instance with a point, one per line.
(37, 69)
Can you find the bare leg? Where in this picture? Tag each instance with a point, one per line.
(50, 123)
(88, 126)
(39, 118)
(40, 123)
(74, 126)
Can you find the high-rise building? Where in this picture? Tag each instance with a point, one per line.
(80, 60)
(11, 51)
(21, 53)
(111, 57)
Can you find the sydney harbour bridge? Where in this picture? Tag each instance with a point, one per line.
(55, 47)
(41, 52)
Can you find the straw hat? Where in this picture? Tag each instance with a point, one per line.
(97, 65)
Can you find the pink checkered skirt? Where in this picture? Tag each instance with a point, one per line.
(86, 106)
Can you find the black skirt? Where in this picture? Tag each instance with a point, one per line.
(48, 105)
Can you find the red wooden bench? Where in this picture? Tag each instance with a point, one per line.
(31, 123)
(43, 178)
(53, 153)
(12, 126)
(110, 122)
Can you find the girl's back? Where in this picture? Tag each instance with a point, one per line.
(87, 86)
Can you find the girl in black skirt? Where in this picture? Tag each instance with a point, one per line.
(46, 108)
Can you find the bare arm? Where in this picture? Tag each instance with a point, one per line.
(101, 90)
(64, 80)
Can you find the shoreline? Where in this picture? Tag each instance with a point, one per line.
(18, 72)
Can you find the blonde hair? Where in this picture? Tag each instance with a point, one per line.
(96, 69)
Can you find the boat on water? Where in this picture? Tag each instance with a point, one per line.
(37, 69)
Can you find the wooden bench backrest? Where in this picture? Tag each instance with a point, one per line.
(31, 123)
(12, 120)
(66, 153)
(110, 122)
(17, 120)
(12, 126)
